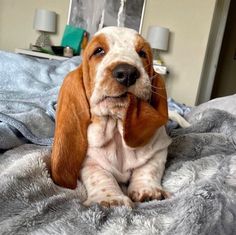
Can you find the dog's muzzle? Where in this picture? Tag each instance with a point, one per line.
(126, 74)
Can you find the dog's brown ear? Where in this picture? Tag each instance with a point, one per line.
(142, 118)
(70, 139)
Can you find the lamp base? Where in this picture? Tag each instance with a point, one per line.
(43, 40)
(156, 57)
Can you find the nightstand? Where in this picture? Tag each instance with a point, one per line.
(39, 54)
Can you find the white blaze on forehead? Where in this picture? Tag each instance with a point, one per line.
(121, 42)
(119, 35)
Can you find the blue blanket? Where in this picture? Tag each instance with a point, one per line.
(28, 92)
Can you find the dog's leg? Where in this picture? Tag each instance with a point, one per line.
(145, 183)
(102, 187)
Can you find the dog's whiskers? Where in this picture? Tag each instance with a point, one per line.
(158, 88)
(159, 95)
(146, 66)
(148, 84)
(155, 75)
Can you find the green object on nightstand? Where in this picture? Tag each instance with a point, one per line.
(73, 38)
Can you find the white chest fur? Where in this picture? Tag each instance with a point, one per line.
(107, 148)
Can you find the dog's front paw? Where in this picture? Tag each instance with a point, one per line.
(110, 201)
(147, 194)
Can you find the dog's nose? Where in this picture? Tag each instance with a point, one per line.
(126, 74)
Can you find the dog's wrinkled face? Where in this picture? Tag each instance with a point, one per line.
(120, 61)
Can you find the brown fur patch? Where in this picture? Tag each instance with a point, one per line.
(114, 203)
(91, 60)
(70, 139)
(105, 204)
(142, 120)
(141, 44)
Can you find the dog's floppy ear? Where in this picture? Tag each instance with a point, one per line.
(142, 118)
(70, 139)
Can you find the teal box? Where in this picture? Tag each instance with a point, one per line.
(73, 37)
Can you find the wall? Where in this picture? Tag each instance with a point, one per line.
(189, 22)
(16, 21)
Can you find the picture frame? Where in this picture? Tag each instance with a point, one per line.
(92, 15)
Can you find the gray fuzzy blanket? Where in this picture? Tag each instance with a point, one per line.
(200, 174)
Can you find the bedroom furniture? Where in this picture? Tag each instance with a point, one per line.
(44, 22)
(39, 54)
(158, 37)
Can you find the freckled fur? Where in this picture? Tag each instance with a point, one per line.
(121, 140)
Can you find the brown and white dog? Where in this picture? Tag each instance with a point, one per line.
(110, 122)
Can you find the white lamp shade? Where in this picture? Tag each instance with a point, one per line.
(45, 20)
(158, 37)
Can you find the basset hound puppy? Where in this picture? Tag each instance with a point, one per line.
(110, 122)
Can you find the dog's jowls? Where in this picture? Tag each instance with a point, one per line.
(110, 122)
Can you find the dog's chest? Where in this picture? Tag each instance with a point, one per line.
(108, 149)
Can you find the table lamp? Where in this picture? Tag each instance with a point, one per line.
(45, 23)
(158, 37)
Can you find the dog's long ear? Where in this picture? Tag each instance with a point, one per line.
(143, 118)
(70, 139)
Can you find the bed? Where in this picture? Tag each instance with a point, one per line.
(200, 172)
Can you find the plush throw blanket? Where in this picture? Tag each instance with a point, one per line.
(200, 174)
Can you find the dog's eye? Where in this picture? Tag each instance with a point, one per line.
(99, 51)
(142, 54)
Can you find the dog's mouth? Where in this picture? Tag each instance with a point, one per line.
(123, 95)
(114, 98)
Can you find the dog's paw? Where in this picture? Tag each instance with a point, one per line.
(110, 201)
(147, 194)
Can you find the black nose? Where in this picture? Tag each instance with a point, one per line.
(126, 74)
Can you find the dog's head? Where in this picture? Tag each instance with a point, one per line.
(121, 60)
(116, 78)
